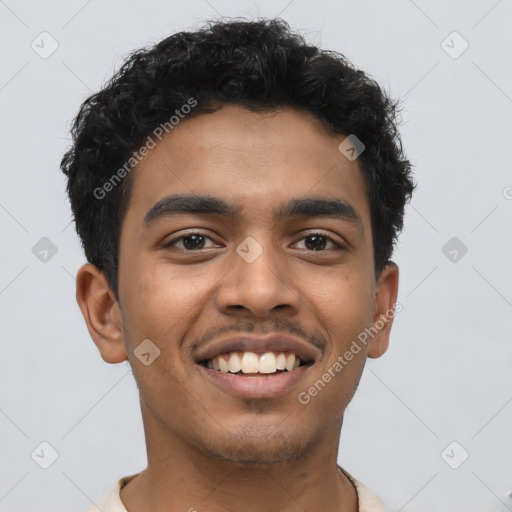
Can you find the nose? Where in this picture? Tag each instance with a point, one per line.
(258, 286)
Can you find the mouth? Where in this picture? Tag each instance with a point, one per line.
(253, 364)
(254, 375)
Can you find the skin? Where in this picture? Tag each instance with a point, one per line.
(209, 450)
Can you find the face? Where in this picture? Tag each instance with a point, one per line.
(185, 281)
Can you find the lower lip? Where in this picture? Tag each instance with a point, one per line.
(255, 387)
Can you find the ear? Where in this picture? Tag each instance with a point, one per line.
(384, 310)
(101, 313)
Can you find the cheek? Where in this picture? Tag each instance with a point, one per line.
(347, 311)
(354, 310)
(158, 305)
(344, 309)
(162, 298)
(343, 303)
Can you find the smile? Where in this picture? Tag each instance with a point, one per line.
(247, 363)
(252, 375)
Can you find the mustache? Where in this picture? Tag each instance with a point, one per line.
(275, 326)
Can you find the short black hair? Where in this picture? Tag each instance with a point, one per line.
(262, 65)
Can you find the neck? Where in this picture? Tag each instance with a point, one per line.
(181, 477)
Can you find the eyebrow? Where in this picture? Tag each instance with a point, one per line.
(209, 205)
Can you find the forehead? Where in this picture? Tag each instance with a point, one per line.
(250, 159)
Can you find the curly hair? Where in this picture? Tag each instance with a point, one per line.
(261, 65)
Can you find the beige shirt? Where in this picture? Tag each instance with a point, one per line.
(368, 502)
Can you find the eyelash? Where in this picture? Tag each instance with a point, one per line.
(337, 246)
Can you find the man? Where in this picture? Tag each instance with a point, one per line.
(238, 194)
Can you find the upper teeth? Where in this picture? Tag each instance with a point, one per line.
(249, 362)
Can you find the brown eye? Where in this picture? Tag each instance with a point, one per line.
(190, 242)
(318, 242)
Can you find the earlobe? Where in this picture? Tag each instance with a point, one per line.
(101, 313)
(384, 311)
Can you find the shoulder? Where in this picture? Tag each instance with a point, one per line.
(112, 501)
(368, 501)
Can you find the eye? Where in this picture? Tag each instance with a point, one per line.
(196, 241)
(191, 241)
(318, 241)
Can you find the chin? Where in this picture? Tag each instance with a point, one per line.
(258, 451)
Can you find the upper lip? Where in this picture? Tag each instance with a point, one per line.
(250, 343)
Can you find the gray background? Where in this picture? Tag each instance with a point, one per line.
(447, 375)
